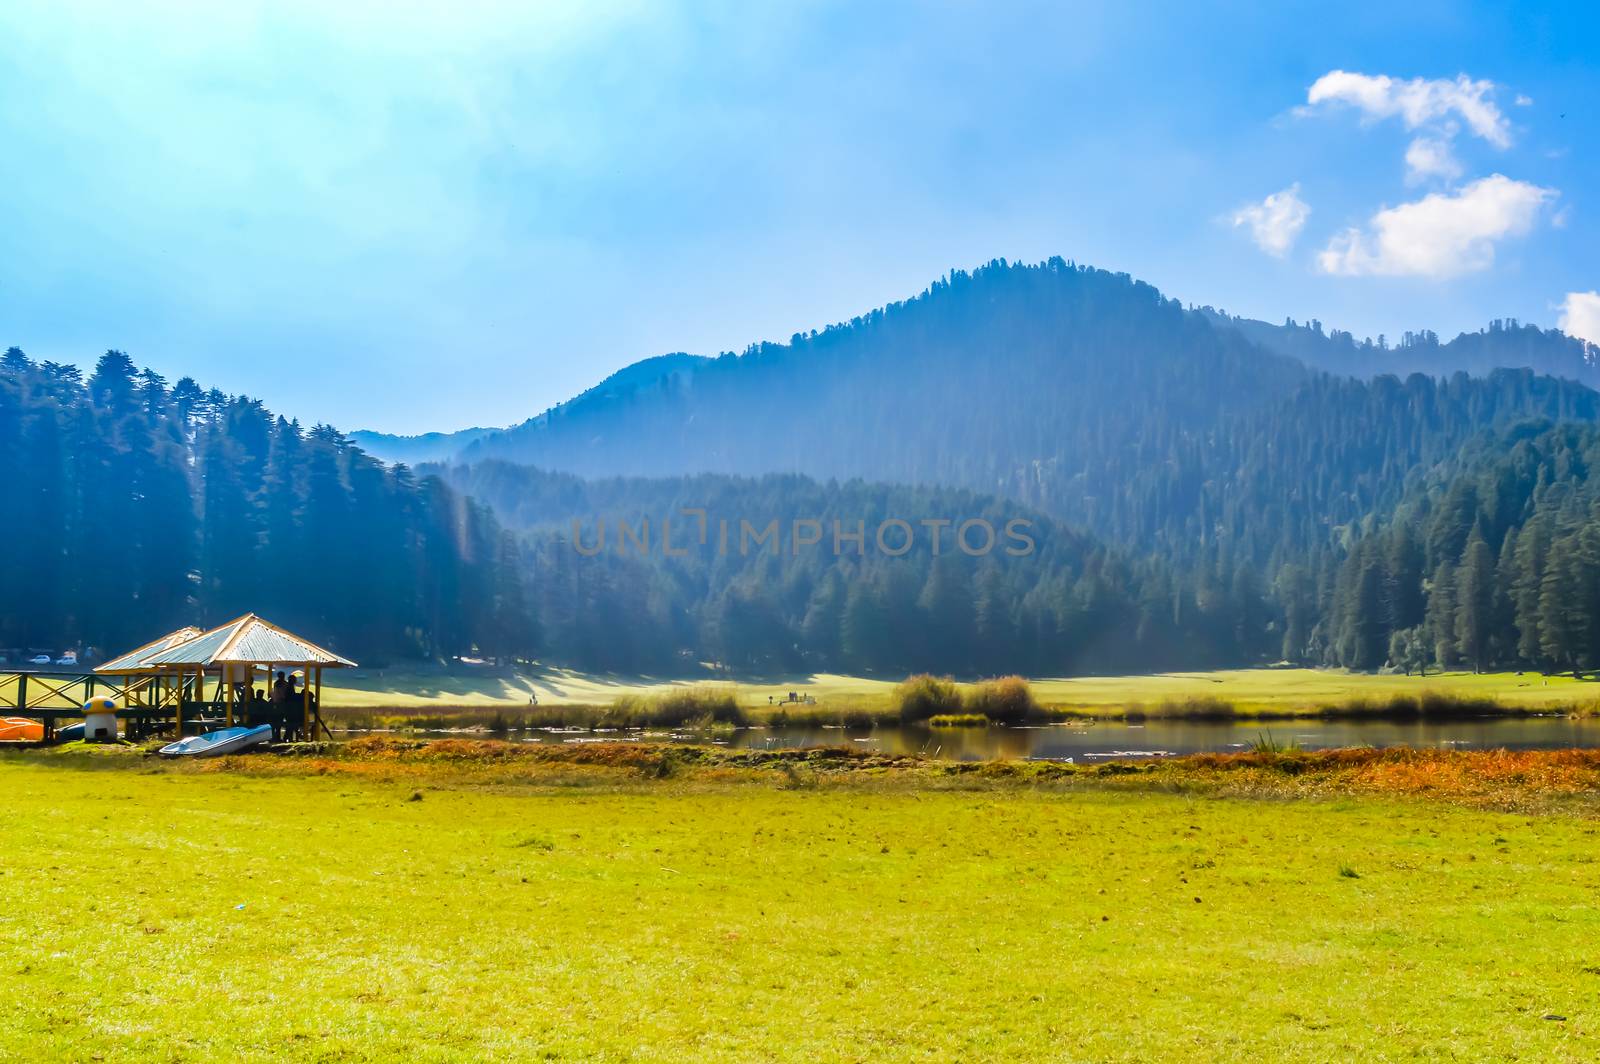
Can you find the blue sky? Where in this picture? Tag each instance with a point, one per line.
(426, 216)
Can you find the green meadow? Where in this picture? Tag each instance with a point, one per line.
(1247, 691)
(284, 909)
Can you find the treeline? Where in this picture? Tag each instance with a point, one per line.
(1502, 344)
(136, 507)
(1494, 562)
(1066, 605)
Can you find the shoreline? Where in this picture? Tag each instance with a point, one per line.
(493, 719)
(1565, 780)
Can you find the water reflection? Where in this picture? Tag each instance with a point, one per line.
(1109, 739)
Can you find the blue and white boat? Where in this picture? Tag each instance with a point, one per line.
(216, 743)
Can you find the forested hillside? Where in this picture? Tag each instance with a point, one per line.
(995, 381)
(1501, 345)
(414, 450)
(1080, 393)
(1493, 561)
(660, 598)
(1193, 499)
(136, 508)
(1242, 477)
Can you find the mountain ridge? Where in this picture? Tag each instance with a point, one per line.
(1501, 344)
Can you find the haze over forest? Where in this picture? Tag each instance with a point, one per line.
(1200, 491)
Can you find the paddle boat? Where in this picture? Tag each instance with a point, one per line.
(71, 733)
(219, 742)
(21, 729)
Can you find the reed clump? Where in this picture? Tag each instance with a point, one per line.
(1425, 704)
(698, 706)
(824, 715)
(958, 720)
(1007, 700)
(917, 698)
(708, 707)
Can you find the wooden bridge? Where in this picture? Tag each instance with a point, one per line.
(149, 704)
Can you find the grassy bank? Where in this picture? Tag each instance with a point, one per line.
(566, 697)
(1247, 690)
(396, 902)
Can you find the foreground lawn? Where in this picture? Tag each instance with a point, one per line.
(1247, 690)
(153, 912)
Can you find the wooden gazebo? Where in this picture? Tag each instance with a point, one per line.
(232, 653)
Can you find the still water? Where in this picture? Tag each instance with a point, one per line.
(1109, 739)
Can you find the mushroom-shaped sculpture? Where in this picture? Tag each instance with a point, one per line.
(100, 719)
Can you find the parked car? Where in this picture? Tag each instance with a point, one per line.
(69, 658)
(39, 659)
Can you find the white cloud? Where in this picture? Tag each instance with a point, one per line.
(1440, 235)
(1431, 157)
(1418, 102)
(1276, 221)
(1580, 316)
(1524, 101)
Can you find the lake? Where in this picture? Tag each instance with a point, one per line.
(1088, 742)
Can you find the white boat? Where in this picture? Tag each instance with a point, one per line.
(221, 741)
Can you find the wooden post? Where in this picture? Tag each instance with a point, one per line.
(179, 717)
(227, 679)
(319, 693)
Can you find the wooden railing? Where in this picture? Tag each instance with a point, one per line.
(21, 692)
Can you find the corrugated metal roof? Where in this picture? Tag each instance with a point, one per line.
(249, 640)
(261, 641)
(135, 660)
(197, 650)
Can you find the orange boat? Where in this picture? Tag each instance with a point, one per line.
(20, 729)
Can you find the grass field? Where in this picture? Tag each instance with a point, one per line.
(274, 908)
(1249, 691)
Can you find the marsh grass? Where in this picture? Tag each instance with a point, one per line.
(941, 702)
(1424, 704)
(1007, 700)
(704, 706)
(958, 720)
(918, 699)
(1264, 743)
(826, 715)
(699, 708)
(1196, 707)
(921, 697)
